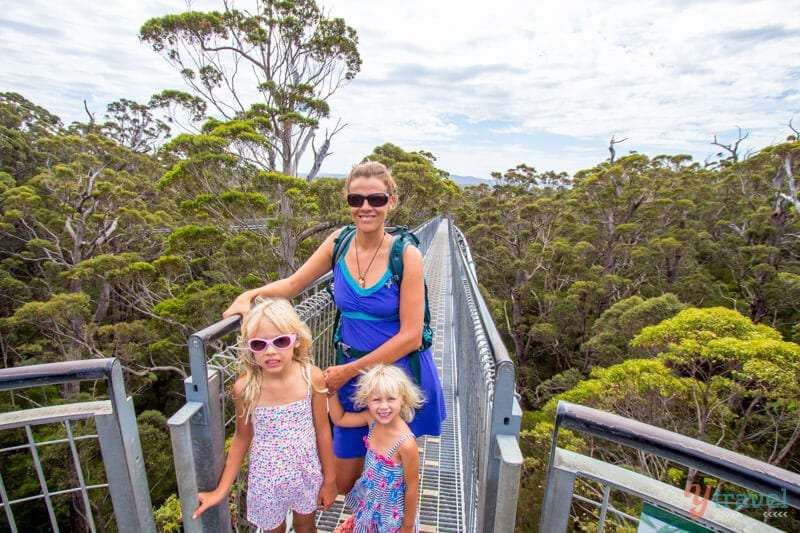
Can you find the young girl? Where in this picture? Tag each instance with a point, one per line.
(384, 498)
(282, 419)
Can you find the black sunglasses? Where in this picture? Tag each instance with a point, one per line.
(378, 199)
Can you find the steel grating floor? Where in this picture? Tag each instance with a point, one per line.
(441, 507)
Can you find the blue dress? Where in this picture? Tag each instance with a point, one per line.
(378, 498)
(370, 317)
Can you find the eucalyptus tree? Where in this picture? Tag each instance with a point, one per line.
(710, 373)
(743, 379)
(91, 199)
(23, 125)
(755, 235)
(267, 215)
(135, 126)
(515, 231)
(612, 332)
(276, 66)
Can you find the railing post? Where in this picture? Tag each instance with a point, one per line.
(557, 500)
(509, 456)
(505, 426)
(198, 444)
(180, 431)
(122, 457)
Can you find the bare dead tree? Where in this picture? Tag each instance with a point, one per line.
(796, 136)
(732, 148)
(91, 115)
(611, 148)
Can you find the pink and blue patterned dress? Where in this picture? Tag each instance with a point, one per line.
(284, 473)
(378, 497)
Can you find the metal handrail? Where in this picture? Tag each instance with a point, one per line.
(731, 466)
(735, 468)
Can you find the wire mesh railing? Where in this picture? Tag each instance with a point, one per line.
(487, 392)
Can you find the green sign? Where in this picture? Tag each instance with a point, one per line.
(656, 520)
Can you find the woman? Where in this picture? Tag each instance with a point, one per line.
(378, 317)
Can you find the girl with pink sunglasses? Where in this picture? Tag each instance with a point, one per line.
(282, 421)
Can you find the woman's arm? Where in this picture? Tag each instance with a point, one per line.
(240, 444)
(319, 406)
(408, 337)
(409, 457)
(346, 419)
(315, 266)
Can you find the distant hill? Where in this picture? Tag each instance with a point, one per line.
(461, 181)
(467, 181)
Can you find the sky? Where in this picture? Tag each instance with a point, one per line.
(483, 86)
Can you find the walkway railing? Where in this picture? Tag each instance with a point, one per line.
(779, 489)
(117, 433)
(487, 398)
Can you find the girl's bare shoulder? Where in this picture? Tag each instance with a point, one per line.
(238, 386)
(408, 448)
(317, 378)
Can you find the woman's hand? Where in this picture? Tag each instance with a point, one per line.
(240, 306)
(336, 376)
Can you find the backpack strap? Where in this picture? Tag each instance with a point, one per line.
(341, 242)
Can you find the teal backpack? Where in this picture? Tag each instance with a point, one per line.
(402, 238)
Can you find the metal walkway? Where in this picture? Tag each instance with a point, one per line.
(441, 508)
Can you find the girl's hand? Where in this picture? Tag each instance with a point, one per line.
(327, 495)
(406, 529)
(207, 499)
(336, 376)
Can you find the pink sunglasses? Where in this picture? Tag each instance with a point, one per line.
(281, 342)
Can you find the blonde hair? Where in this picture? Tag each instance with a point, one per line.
(391, 381)
(371, 169)
(281, 313)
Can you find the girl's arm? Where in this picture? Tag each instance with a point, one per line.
(319, 406)
(346, 419)
(240, 444)
(407, 339)
(409, 456)
(315, 266)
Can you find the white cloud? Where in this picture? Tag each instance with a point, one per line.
(482, 86)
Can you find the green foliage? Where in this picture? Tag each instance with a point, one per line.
(613, 331)
(168, 515)
(652, 287)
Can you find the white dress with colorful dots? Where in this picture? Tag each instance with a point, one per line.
(284, 473)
